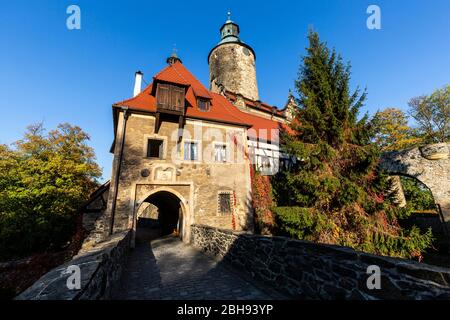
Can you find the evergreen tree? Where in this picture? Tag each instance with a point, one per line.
(335, 194)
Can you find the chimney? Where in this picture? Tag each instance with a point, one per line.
(137, 83)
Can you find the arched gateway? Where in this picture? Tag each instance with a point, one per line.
(430, 165)
(166, 209)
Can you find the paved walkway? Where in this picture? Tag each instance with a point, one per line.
(167, 268)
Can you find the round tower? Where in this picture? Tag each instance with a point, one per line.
(232, 64)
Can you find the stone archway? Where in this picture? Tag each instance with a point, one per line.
(171, 212)
(433, 173)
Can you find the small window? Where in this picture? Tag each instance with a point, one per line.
(203, 104)
(155, 148)
(220, 153)
(191, 151)
(224, 203)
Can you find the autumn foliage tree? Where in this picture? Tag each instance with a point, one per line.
(392, 132)
(335, 194)
(432, 115)
(43, 181)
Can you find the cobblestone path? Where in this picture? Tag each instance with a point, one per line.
(167, 268)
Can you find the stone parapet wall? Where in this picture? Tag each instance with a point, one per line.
(100, 270)
(306, 270)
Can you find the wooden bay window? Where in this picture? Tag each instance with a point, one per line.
(170, 98)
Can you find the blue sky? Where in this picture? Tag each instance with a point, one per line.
(51, 74)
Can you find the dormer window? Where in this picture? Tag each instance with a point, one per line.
(170, 98)
(203, 104)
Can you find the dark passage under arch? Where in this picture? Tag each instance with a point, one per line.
(168, 218)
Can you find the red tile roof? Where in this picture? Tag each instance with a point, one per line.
(256, 105)
(221, 109)
(177, 73)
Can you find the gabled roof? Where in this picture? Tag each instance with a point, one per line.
(221, 109)
(177, 73)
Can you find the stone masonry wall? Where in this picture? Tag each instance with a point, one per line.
(233, 66)
(100, 267)
(198, 182)
(435, 174)
(306, 270)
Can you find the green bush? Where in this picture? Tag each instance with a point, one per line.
(418, 196)
(299, 223)
(311, 225)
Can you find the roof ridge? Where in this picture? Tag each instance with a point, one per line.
(178, 72)
(195, 80)
(163, 70)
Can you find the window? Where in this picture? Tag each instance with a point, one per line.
(191, 151)
(225, 203)
(203, 104)
(170, 97)
(155, 148)
(220, 153)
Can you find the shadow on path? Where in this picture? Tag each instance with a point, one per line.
(167, 268)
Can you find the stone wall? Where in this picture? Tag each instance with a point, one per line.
(196, 183)
(100, 267)
(306, 270)
(232, 65)
(433, 172)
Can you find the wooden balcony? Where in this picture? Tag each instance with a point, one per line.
(170, 99)
(170, 109)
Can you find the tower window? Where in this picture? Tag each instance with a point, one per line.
(155, 148)
(225, 206)
(203, 104)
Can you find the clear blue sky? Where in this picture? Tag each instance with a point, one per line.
(51, 74)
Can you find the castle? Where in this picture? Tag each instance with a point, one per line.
(185, 154)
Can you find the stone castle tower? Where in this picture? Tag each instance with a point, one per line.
(232, 64)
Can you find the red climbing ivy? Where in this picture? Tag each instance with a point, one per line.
(262, 202)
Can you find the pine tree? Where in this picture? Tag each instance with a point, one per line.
(335, 194)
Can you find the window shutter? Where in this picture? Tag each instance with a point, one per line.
(177, 95)
(163, 95)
